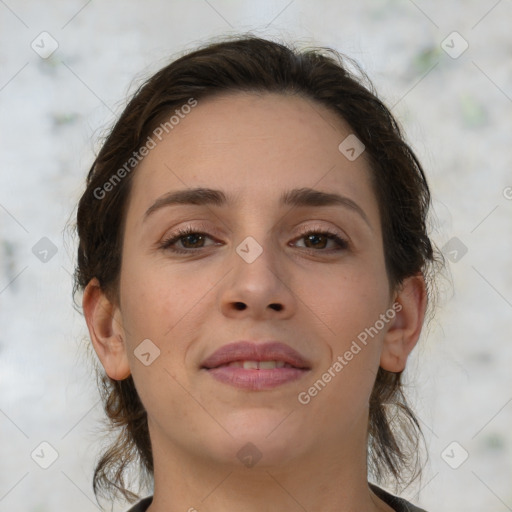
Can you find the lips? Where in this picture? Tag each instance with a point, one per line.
(246, 351)
(256, 367)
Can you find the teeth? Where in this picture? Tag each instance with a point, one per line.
(236, 364)
(269, 365)
(259, 365)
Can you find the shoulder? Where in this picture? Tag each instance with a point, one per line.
(398, 504)
(142, 505)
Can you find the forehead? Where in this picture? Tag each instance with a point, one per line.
(256, 146)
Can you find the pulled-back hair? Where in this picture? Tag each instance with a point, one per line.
(251, 64)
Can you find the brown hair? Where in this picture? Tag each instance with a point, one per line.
(248, 63)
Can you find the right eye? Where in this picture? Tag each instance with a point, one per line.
(185, 236)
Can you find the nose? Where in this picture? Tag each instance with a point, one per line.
(258, 286)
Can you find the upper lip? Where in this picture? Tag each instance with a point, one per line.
(249, 351)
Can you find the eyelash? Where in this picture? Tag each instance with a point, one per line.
(167, 243)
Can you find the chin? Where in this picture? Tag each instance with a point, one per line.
(261, 435)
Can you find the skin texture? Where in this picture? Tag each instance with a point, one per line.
(255, 147)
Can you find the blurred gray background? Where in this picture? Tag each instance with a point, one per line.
(445, 68)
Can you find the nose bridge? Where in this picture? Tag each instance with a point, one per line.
(255, 226)
(257, 281)
(255, 257)
(258, 230)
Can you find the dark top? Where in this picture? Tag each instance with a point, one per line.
(398, 504)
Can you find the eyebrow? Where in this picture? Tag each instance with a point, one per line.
(299, 197)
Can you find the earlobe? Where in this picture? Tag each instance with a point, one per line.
(104, 322)
(403, 334)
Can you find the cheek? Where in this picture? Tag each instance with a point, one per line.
(164, 304)
(348, 307)
(154, 293)
(348, 314)
(348, 299)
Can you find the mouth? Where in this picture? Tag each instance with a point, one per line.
(256, 367)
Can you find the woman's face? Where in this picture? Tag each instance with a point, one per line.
(255, 276)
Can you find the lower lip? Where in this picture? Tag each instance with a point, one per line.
(256, 380)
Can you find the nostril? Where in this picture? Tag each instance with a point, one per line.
(241, 306)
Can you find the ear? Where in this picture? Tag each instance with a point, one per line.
(402, 335)
(104, 322)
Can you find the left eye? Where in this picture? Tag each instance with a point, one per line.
(319, 239)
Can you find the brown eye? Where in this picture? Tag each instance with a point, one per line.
(320, 240)
(193, 239)
(188, 238)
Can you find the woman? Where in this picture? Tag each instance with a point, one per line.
(255, 272)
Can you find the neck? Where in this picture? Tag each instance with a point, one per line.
(326, 479)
